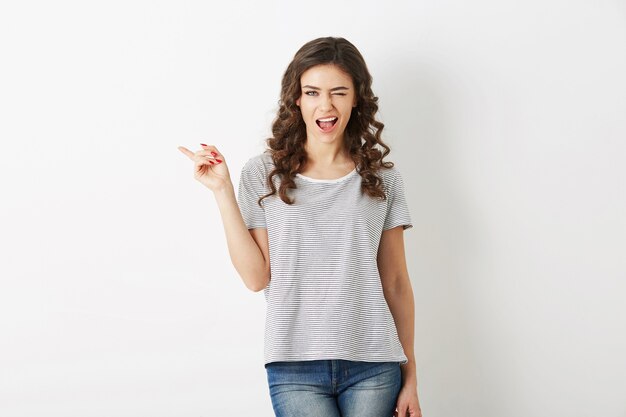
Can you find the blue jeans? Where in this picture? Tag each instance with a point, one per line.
(334, 388)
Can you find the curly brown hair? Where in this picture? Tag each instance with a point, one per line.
(362, 134)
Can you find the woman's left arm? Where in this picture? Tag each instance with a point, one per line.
(398, 292)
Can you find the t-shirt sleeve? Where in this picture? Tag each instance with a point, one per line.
(397, 208)
(251, 188)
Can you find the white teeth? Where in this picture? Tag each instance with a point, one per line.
(328, 119)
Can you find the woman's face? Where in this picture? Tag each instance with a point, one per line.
(326, 102)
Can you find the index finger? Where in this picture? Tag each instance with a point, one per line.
(186, 152)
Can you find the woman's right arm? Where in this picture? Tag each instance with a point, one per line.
(248, 249)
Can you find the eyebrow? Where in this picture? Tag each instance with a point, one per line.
(332, 89)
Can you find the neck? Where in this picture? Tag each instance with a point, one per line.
(326, 154)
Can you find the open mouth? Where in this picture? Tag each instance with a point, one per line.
(327, 123)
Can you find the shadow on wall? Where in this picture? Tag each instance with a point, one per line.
(415, 103)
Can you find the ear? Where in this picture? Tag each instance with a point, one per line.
(298, 102)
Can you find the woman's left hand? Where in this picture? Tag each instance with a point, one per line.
(408, 404)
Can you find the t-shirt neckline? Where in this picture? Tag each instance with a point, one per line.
(327, 181)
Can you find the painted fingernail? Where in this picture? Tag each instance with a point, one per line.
(218, 160)
(213, 153)
(212, 162)
(204, 144)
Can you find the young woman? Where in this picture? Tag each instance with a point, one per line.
(318, 225)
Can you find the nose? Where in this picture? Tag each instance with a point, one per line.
(326, 103)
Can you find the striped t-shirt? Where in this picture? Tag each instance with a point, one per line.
(325, 298)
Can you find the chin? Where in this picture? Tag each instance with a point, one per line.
(327, 139)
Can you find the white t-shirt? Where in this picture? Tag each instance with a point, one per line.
(325, 298)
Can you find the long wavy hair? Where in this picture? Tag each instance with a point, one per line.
(362, 136)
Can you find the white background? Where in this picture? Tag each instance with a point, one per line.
(506, 119)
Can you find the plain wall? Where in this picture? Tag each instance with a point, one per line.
(506, 119)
